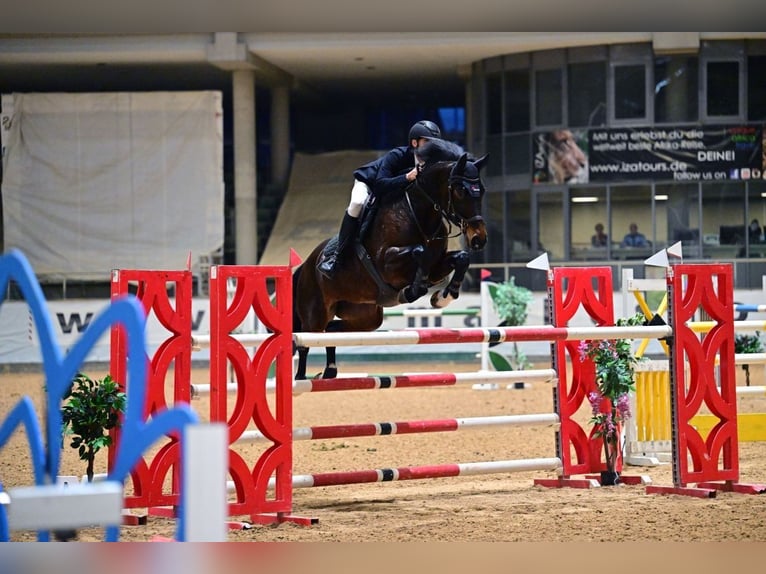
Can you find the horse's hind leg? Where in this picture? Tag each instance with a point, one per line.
(331, 368)
(352, 317)
(303, 353)
(459, 261)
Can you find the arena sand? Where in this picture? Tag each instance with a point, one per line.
(490, 508)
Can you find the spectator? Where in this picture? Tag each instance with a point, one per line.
(634, 239)
(600, 239)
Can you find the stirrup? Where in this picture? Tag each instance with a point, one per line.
(327, 267)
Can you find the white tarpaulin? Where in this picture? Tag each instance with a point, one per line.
(102, 181)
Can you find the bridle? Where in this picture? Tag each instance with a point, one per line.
(457, 184)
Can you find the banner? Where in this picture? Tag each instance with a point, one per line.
(682, 154)
(672, 153)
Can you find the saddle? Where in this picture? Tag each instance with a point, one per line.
(389, 296)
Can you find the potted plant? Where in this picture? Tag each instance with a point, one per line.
(511, 303)
(614, 361)
(92, 408)
(748, 344)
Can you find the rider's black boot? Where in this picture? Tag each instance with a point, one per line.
(348, 229)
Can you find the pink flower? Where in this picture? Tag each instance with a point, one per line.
(622, 406)
(582, 350)
(595, 398)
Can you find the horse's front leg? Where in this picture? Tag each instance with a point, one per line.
(457, 262)
(418, 286)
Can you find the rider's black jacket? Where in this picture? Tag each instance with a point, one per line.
(388, 173)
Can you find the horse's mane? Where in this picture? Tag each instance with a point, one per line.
(435, 149)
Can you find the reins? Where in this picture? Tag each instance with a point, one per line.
(447, 214)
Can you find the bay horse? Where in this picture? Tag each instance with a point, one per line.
(402, 254)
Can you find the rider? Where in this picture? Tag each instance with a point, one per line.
(389, 173)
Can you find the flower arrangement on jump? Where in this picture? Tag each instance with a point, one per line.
(615, 380)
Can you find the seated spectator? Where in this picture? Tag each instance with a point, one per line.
(634, 239)
(600, 239)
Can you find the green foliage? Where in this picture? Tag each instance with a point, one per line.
(615, 379)
(91, 409)
(511, 303)
(748, 343)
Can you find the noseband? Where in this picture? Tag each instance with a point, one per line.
(457, 184)
(463, 185)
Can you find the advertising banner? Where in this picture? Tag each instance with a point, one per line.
(683, 154)
(672, 153)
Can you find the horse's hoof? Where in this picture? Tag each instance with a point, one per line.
(330, 373)
(439, 301)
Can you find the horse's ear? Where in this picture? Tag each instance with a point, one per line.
(479, 163)
(460, 165)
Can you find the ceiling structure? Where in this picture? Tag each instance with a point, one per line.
(313, 64)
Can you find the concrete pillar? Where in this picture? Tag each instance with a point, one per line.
(280, 134)
(245, 186)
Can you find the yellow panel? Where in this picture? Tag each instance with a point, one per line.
(751, 427)
(653, 405)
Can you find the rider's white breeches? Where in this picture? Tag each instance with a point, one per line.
(359, 194)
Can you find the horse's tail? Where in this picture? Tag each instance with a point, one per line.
(297, 326)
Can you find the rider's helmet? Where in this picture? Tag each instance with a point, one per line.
(424, 129)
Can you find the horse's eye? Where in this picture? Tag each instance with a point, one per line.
(460, 191)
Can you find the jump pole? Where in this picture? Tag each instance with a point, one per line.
(480, 335)
(422, 472)
(410, 427)
(396, 381)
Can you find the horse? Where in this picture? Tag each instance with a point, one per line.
(401, 254)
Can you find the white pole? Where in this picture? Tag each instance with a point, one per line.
(205, 463)
(484, 322)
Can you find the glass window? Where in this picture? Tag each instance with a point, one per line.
(677, 211)
(517, 101)
(676, 93)
(632, 204)
(722, 88)
(496, 227)
(586, 101)
(756, 88)
(495, 151)
(518, 153)
(548, 99)
(517, 229)
(724, 230)
(590, 224)
(494, 104)
(756, 234)
(630, 92)
(550, 224)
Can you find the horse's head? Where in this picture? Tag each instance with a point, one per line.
(466, 192)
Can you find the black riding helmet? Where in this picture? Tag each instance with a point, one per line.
(424, 129)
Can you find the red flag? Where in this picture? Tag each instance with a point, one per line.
(485, 274)
(295, 259)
